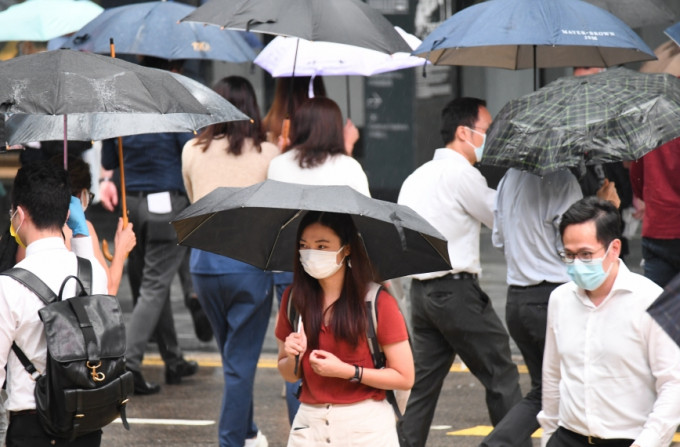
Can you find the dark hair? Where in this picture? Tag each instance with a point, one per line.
(605, 215)
(43, 190)
(459, 112)
(240, 93)
(287, 100)
(78, 173)
(316, 131)
(349, 311)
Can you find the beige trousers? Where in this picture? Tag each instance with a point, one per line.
(367, 423)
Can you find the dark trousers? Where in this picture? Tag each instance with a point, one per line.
(565, 438)
(25, 430)
(662, 259)
(526, 314)
(152, 266)
(449, 317)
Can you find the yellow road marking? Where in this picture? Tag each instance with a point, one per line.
(214, 361)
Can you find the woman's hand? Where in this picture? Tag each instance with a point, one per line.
(351, 136)
(328, 365)
(296, 343)
(125, 239)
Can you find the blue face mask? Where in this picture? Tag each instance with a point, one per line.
(589, 275)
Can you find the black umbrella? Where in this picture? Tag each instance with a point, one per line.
(615, 115)
(666, 309)
(258, 225)
(351, 22)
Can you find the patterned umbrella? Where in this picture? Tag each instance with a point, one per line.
(615, 115)
(666, 309)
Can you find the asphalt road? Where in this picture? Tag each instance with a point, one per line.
(187, 414)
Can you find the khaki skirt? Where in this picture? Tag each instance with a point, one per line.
(366, 423)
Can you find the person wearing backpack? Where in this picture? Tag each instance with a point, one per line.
(40, 201)
(343, 397)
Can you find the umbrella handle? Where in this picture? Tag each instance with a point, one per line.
(285, 132)
(106, 251)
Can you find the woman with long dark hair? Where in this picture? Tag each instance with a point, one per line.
(342, 394)
(316, 154)
(236, 297)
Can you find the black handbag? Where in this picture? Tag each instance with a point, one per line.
(85, 385)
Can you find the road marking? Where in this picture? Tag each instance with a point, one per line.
(214, 361)
(166, 421)
(483, 430)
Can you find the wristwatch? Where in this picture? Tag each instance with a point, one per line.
(356, 378)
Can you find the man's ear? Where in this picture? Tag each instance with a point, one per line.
(616, 247)
(460, 133)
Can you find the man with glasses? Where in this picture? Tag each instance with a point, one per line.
(611, 375)
(526, 227)
(450, 313)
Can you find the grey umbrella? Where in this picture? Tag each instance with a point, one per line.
(638, 13)
(351, 22)
(258, 225)
(83, 96)
(615, 115)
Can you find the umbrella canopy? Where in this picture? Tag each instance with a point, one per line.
(668, 61)
(42, 20)
(637, 13)
(286, 56)
(666, 309)
(258, 225)
(615, 115)
(351, 22)
(519, 34)
(152, 29)
(103, 97)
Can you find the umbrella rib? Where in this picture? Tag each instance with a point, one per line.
(278, 235)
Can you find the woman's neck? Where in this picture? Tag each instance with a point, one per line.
(332, 287)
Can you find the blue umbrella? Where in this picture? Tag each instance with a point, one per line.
(153, 29)
(673, 32)
(517, 34)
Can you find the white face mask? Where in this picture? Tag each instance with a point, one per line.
(320, 264)
(479, 150)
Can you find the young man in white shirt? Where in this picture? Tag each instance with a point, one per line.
(40, 206)
(449, 311)
(611, 375)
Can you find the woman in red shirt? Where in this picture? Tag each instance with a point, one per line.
(342, 395)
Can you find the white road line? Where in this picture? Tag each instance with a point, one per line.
(166, 421)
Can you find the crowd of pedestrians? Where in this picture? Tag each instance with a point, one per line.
(602, 370)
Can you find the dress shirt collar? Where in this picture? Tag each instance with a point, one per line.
(624, 282)
(45, 244)
(445, 152)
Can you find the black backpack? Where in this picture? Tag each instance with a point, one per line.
(85, 385)
(397, 398)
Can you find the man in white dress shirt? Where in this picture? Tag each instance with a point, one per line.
(450, 313)
(40, 207)
(611, 375)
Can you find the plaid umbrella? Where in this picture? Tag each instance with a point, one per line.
(615, 115)
(666, 309)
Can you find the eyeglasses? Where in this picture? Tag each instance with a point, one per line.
(583, 256)
(90, 198)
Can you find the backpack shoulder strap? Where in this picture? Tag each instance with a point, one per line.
(377, 354)
(31, 281)
(85, 273)
(42, 291)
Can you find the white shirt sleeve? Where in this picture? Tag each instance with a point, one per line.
(664, 361)
(549, 414)
(497, 236)
(475, 196)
